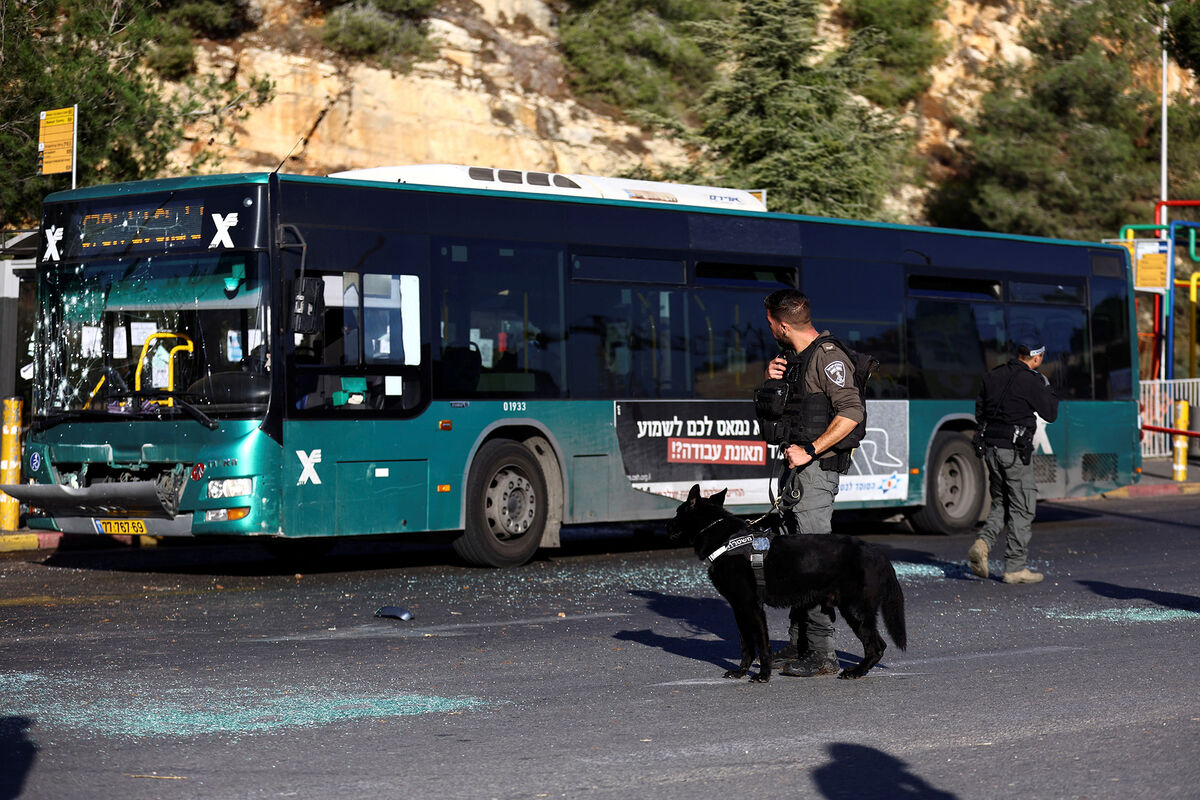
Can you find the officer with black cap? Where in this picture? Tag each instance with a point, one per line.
(1005, 415)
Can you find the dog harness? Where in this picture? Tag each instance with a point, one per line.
(754, 546)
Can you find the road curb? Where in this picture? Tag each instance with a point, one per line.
(26, 540)
(1153, 490)
(18, 542)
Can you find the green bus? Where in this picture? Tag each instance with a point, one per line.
(498, 353)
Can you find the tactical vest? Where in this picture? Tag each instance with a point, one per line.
(808, 414)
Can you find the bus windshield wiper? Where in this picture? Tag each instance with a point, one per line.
(178, 402)
(194, 412)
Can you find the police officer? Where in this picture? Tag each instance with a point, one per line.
(824, 408)
(1004, 413)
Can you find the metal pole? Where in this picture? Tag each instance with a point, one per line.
(1163, 155)
(75, 142)
(10, 462)
(1180, 441)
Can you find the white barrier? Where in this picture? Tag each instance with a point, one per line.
(1158, 408)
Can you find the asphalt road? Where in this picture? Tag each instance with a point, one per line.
(213, 672)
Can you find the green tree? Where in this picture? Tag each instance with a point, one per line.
(175, 23)
(785, 119)
(1183, 33)
(1065, 145)
(910, 46)
(639, 54)
(56, 53)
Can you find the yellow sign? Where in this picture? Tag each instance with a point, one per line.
(1149, 259)
(56, 141)
(1152, 270)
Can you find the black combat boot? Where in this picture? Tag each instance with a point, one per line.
(814, 663)
(796, 647)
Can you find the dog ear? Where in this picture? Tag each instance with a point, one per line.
(719, 498)
(694, 495)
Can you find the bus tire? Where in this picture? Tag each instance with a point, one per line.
(506, 506)
(955, 486)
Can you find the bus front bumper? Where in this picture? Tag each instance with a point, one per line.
(104, 508)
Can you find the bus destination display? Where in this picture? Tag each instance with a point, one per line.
(134, 227)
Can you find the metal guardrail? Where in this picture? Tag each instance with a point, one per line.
(1172, 431)
(1158, 411)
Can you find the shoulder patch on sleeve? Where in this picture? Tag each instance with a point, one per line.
(836, 370)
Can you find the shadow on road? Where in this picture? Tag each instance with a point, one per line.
(17, 754)
(246, 557)
(857, 772)
(1108, 508)
(950, 570)
(702, 617)
(1182, 602)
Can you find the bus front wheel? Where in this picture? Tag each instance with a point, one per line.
(955, 486)
(506, 506)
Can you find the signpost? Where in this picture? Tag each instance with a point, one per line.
(57, 141)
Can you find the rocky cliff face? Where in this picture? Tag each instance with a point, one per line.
(497, 95)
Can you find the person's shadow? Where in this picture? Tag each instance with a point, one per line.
(17, 754)
(1182, 602)
(857, 772)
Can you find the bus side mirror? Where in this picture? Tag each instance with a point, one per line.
(308, 306)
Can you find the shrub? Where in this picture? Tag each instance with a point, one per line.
(407, 9)
(362, 30)
(206, 18)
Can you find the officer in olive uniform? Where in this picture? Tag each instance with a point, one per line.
(828, 408)
(1004, 413)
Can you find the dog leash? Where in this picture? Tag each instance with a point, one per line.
(793, 494)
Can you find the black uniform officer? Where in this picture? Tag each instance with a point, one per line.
(1005, 415)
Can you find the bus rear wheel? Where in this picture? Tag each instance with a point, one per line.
(506, 506)
(955, 488)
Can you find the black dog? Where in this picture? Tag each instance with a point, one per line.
(799, 571)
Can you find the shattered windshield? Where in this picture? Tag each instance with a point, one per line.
(149, 334)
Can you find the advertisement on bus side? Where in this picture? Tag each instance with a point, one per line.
(669, 445)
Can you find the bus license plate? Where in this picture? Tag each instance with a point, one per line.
(121, 527)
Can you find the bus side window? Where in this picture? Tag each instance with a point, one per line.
(630, 342)
(499, 319)
(617, 358)
(730, 342)
(1063, 330)
(868, 319)
(391, 324)
(950, 348)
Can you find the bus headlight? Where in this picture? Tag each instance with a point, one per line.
(230, 487)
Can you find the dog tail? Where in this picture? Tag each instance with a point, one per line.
(892, 609)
